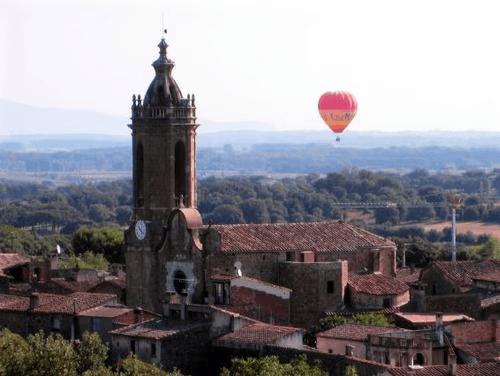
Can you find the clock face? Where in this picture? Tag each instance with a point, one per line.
(140, 229)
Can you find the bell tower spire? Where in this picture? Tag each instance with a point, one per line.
(164, 144)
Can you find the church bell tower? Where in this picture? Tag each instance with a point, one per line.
(164, 177)
(164, 143)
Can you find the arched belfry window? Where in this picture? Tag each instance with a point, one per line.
(180, 169)
(139, 176)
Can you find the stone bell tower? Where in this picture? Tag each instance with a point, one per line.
(164, 175)
(164, 143)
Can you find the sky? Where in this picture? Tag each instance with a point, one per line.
(412, 65)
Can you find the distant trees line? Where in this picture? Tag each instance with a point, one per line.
(412, 197)
(273, 158)
(88, 217)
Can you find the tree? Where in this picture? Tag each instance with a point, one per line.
(490, 249)
(226, 214)
(107, 240)
(51, 355)
(91, 353)
(132, 366)
(271, 366)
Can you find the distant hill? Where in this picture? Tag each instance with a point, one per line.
(32, 128)
(229, 148)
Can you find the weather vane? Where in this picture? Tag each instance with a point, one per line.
(164, 30)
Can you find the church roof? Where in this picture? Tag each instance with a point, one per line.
(282, 237)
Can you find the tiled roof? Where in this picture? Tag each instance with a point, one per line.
(429, 319)
(157, 330)
(356, 332)
(463, 272)
(72, 303)
(474, 369)
(493, 276)
(106, 311)
(282, 237)
(14, 303)
(73, 286)
(53, 303)
(129, 318)
(9, 260)
(491, 301)
(408, 275)
(482, 351)
(259, 333)
(377, 284)
(223, 277)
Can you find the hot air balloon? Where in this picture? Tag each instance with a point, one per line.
(337, 110)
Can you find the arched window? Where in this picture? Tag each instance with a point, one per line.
(418, 359)
(139, 176)
(180, 169)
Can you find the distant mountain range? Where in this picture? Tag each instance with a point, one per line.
(33, 129)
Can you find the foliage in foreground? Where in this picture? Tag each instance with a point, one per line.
(54, 356)
(271, 366)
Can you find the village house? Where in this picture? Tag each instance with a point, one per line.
(468, 287)
(48, 312)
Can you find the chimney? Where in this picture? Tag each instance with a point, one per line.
(138, 315)
(452, 363)
(34, 300)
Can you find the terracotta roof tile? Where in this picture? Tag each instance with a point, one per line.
(482, 351)
(356, 332)
(429, 319)
(14, 303)
(129, 318)
(158, 329)
(259, 333)
(474, 369)
(106, 311)
(463, 272)
(9, 260)
(408, 275)
(71, 303)
(491, 301)
(53, 303)
(493, 276)
(377, 284)
(282, 237)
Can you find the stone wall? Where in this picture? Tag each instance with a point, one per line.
(469, 304)
(475, 332)
(260, 305)
(317, 287)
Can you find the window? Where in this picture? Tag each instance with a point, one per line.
(96, 324)
(289, 256)
(132, 346)
(56, 323)
(387, 302)
(153, 349)
(330, 287)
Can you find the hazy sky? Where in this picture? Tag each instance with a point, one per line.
(412, 65)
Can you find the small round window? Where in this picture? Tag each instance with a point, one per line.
(180, 282)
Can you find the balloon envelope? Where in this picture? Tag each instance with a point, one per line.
(337, 109)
